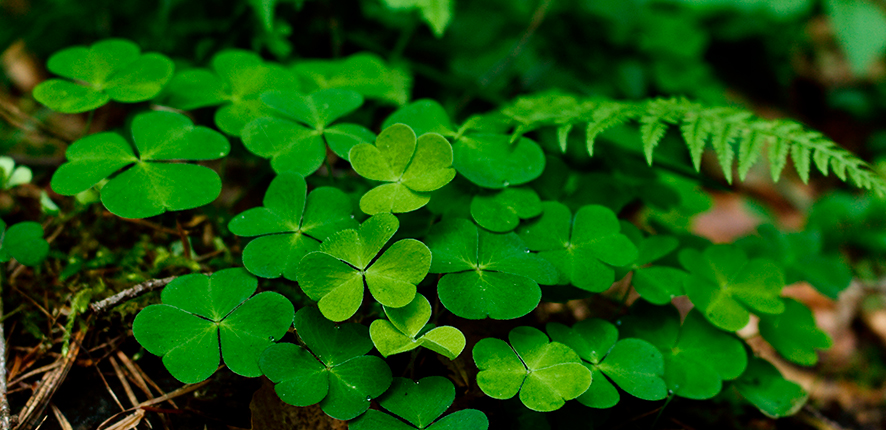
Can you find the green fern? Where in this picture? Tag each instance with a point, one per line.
(700, 125)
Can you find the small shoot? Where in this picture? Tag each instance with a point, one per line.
(411, 167)
(407, 328)
(336, 273)
(331, 369)
(545, 373)
(419, 405)
(12, 176)
(486, 274)
(206, 318)
(112, 69)
(291, 224)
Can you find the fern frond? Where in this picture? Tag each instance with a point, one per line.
(699, 125)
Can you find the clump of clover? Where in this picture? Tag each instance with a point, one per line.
(504, 221)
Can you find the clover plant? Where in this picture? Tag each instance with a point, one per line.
(407, 328)
(12, 176)
(24, 242)
(657, 283)
(112, 69)
(363, 72)
(793, 333)
(150, 183)
(204, 319)
(331, 369)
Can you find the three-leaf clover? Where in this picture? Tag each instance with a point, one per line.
(24, 242)
(236, 81)
(407, 328)
(420, 404)
(633, 364)
(335, 274)
(331, 369)
(485, 157)
(698, 357)
(291, 224)
(583, 248)
(205, 318)
(412, 167)
(113, 69)
(793, 333)
(12, 176)
(764, 386)
(802, 257)
(725, 285)
(502, 211)
(486, 274)
(546, 374)
(150, 185)
(657, 284)
(293, 147)
(363, 72)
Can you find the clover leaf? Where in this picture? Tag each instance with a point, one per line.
(546, 374)
(24, 242)
(502, 211)
(364, 72)
(407, 328)
(486, 158)
(331, 369)
(725, 285)
(293, 147)
(412, 167)
(698, 357)
(291, 224)
(764, 386)
(235, 83)
(203, 318)
(335, 274)
(793, 333)
(582, 248)
(150, 185)
(420, 404)
(486, 274)
(112, 69)
(657, 284)
(802, 257)
(633, 364)
(12, 176)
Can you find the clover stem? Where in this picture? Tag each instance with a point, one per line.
(182, 234)
(329, 169)
(662, 409)
(88, 122)
(411, 367)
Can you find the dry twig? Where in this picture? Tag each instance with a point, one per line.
(131, 293)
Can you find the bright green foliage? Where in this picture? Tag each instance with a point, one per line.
(335, 274)
(420, 403)
(488, 159)
(235, 83)
(546, 374)
(332, 369)
(725, 285)
(763, 386)
(365, 73)
(502, 211)
(657, 284)
(293, 147)
(291, 224)
(582, 248)
(12, 176)
(487, 274)
(113, 69)
(150, 185)
(700, 125)
(860, 28)
(633, 364)
(203, 318)
(407, 328)
(802, 257)
(412, 167)
(793, 333)
(24, 242)
(436, 13)
(698, 357)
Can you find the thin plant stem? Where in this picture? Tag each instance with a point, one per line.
(88, 122)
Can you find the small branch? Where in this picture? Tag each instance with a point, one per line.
(131, 293)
